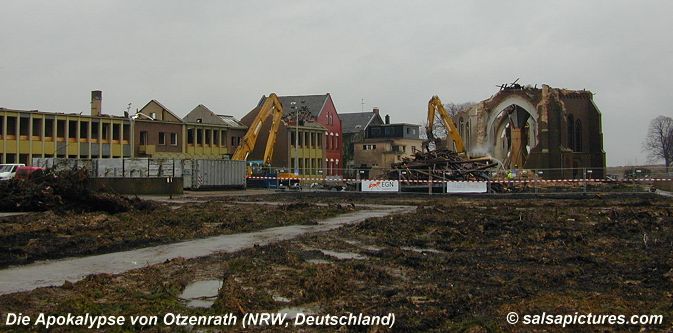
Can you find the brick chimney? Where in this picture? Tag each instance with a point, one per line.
(96, 102)
(376, 110)
(387, 119)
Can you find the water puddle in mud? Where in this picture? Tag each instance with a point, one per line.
(55, 272)
(343, 255)
(201, 294)
(318, 261)
(420, 250)
(281, 299)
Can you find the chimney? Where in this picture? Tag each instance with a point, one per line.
(96, 101)
(387, 119)
(376, 110)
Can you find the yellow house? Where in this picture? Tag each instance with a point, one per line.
(25, 135)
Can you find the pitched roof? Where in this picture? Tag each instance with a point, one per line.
(314, 103)
(163, 109)
(357, 121)
(231, 121)
(202, 114)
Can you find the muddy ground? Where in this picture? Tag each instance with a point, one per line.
(58, 234)
(456, 264)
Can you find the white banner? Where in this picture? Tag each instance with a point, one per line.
(466, 187)
(380, 186)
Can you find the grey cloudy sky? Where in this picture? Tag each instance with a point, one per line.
(394, 54)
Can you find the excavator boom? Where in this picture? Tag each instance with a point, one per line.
(435, 105)
(270, 108)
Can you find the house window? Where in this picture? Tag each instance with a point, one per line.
(190, 136)
(208, 133)
(115, 131)
(216, 137)
(72, 129)
(11, 126)
(174, 139)
(60, 128)
(83, 130)
(143, 137)
(49, 128)
(95, 125)
(162, 138)
(37, 127)
(106, 131)
(127, 131)
(23, 126)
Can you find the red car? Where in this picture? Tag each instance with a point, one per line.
(26, 172)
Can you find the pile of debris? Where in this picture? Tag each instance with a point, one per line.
(66, 190)
(442, 164)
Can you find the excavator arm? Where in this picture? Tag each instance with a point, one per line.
(435, 105)
(270, 108)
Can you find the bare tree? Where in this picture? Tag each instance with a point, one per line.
(438, 129)
(659, 140)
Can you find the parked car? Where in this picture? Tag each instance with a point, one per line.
(27, 172)
(8, 171)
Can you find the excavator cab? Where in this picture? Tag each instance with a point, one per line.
(260, 171)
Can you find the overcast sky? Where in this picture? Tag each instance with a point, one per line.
(393, 54)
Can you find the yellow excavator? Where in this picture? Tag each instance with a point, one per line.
(435, 106)
(270, 108)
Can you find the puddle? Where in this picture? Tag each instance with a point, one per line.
(420, 250)
(281, 299)
(343, 255)
(55, 272)
(318, 261)
(201, 294)
(292, 311)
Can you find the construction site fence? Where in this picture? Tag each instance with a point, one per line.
(195, 174)
(623, 179)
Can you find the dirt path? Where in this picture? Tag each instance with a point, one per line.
(55, 273)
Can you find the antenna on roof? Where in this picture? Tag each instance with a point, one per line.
(363, 105)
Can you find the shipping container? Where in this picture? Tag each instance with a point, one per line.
(210, 174)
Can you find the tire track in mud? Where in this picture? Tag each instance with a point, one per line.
(56, 272)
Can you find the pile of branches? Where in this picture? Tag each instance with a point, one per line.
(441, 164)
(66, 190)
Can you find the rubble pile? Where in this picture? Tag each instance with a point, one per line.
(441, 164)
(65, 190)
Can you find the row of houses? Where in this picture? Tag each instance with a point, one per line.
(313, 139)
(154, 132)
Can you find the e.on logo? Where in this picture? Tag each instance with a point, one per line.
(374, 185)
(380, 186)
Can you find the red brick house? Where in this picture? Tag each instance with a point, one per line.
(320, 111)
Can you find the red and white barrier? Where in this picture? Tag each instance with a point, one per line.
(505, 181)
